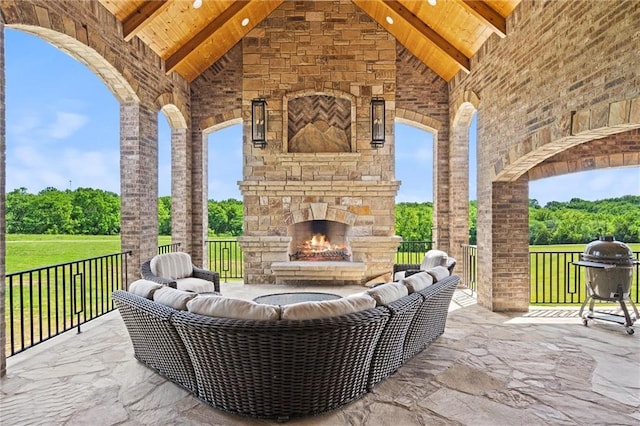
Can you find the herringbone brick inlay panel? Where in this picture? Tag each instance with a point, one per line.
(336, 112)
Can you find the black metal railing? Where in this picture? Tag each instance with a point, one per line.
(554, 279)
(470, 267)
(168, 248)
(412, 251)
(45, 302)
(226, 258)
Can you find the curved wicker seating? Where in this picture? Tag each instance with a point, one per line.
(284, 369)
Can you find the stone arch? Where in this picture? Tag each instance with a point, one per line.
(173, 109)
(324, 92)
(619, 150)
(320, 211)
(583, 126)
(418, 120)
(110, 76)
(220, 121)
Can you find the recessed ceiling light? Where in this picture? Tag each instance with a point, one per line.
(390, 20)
(245, 22)
(197, 4)
(432, 2)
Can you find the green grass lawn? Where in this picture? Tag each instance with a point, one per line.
(26, 252)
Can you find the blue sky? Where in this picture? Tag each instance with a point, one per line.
(63, 132)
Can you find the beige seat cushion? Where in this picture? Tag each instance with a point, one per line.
(387, 293)
(228, 307)
(327, 308)
(417, 282)
(144, 288)
(172, 265)
(174, 298)
(438, 273)
(197, 285)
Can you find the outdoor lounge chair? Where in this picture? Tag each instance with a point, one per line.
(432, 258)
(176, 270)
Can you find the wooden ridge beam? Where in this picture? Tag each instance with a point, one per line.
(136, 21)
(488, 16)
(450, 50)
(181, 54)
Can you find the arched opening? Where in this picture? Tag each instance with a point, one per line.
(62, 136)
(164, 179)
(414, 168)
(224, 209)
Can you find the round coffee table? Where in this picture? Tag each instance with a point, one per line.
(287, 298)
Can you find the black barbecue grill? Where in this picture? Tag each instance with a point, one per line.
(609, 269)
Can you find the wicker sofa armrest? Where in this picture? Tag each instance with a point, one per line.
(145, 270)
(208, 275)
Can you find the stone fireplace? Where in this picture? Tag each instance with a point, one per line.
(318, 74)
(319, 241)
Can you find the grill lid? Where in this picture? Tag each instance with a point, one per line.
(608, 251)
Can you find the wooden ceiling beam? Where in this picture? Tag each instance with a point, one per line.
(181, 54)
(136, 21)
(488, 16)
(460, 58)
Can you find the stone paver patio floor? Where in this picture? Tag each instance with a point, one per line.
(487, 369)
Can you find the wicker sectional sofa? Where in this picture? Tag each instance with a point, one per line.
(284, 368)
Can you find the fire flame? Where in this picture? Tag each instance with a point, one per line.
(319, 243)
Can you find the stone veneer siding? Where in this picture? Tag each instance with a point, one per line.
(558, 60)
(327, 48)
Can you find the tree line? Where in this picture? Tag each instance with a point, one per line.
(89, 211)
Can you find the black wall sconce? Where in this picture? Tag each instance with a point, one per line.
(377, 122)
(259, 122)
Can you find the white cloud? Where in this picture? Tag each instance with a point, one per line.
(65, 125)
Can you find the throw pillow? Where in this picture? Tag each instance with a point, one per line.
(228, 307)
(176, 299)
(327, 308)
(418, 282)
(387, 293)
(438, 273)
(144, 288)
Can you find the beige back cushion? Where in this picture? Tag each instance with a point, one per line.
(417, 282)
(144, 288)
(176, 299)
(438, 273)
(387, 293)
(327, 308)
(172, 265)
(228, 307)
(433, 258)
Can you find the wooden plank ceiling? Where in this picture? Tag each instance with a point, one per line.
(444, 35)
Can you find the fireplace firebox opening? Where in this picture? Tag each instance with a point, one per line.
(319, 240)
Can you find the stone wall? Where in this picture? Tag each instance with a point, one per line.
(558, 60)
(326, 48)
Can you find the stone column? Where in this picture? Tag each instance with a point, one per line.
(503, 256)
(138, 184)
(199, 198)
(3, 228)
(441, 203)
(181, 189)
(459, 195)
